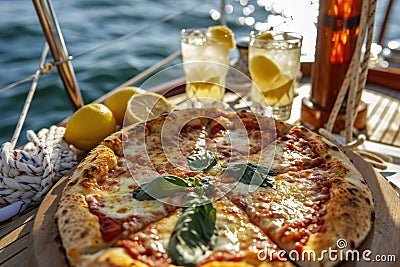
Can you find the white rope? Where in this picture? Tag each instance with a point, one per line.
(367, 54)
(352, 101)
(30, 172)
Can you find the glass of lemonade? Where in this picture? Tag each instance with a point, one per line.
(205, 56)
(274, 65)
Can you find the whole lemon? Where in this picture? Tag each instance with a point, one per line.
(118, 101)
(89, 125)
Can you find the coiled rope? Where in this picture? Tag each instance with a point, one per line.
(30, 172)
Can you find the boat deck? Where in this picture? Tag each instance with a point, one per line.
(383, 129)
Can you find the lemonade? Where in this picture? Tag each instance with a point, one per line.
(274, 64)
(205, 90)
(205, 80)
(205, 54)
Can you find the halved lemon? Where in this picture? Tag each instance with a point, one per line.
(145, 106)
(263, 70)
(222, 34)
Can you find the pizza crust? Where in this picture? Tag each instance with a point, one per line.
(117, 257)
(111, 257)
(78, 227)
(349, 212)
(114, 142)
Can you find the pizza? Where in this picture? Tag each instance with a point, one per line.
(208, 187)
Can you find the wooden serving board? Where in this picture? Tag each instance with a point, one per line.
(384, 238)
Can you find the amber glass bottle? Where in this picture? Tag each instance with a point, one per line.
(336, 43)
(338, 28)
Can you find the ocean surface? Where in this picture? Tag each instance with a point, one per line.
(92, 23)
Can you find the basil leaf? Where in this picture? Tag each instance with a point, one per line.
(195, 233)
(160, 187)
(202, 161)
(206, 188)
(193, 182)
(250, 173)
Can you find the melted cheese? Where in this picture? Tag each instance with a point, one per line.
(123, 205)
(238, 238)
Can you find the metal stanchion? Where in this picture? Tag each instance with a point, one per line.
(55, 39)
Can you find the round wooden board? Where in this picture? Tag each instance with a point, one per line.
(384, 238)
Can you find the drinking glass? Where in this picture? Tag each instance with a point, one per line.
(205, 62)
(274, 65)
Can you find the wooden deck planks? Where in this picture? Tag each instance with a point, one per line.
(15, 223)
(14, 249)
(393, 126)
(20, 258)
(15, 239)
(383, 119)
(18, 233)
(396, 141)
(376, 117)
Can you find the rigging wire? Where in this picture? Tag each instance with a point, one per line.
(29, 98)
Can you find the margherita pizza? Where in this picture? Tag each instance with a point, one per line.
(205, 187)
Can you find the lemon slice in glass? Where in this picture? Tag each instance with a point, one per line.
(265, 36)
(222, 34)
(279, 89)
(145, 106)
(263, 71)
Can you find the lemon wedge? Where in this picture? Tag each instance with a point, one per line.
(263, 71)
(89, 125)
(118, 101)
(265, 36)
(279, 89)
(145, 106)
(222, 34)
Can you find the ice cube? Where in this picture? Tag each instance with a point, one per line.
(279, 37)
(197, 38)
